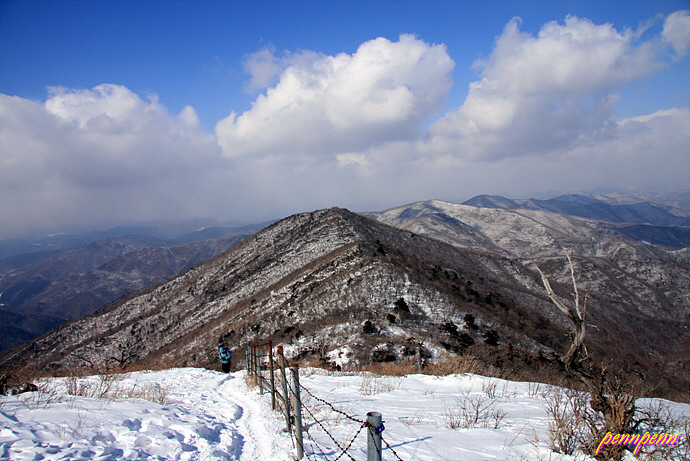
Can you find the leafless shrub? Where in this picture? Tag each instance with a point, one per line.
(489, 388)
(109, 386)
(611, 395)
(373, 384)
(419, 417)
(533, 389)
(571, 423)
(574, 426)
(657, 417)
(44, 397)
(153, 393)
(506, 393)
(103, 386)
(473, 410)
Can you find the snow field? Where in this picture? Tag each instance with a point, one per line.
(430, 418)
(423, 416)
(207, 415)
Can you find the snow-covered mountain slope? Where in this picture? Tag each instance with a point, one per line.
(638, 277)
(331, 278)
(201, 414)
(602, 208)
(313, 274)
(636, 290)
(86, 277)
(523, 233)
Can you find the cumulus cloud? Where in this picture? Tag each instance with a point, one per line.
(677, 32)
(349, 130)
(338, 104)
(543, 94)
(97, 152)
(109, 135)
(264, 66)
(541, 117)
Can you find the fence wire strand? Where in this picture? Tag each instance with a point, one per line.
(342, 448)
(314, 442)
(391, 449)
(330, 405)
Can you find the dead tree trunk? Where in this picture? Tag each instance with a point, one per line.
(607, 394)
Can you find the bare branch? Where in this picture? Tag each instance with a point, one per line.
(608, 394)
(572, 276)
(577, 353)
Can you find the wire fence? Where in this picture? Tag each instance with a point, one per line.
(270, 372)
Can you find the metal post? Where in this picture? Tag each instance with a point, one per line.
(297, 405)
(286, 396)
(375, 427)
(273, 382)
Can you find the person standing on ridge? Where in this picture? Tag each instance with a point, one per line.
(225, 355)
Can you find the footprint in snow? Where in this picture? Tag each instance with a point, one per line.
(132, 425)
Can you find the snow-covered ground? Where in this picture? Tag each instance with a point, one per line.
(204, 415)
(197, 414)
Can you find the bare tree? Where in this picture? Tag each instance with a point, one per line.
(609, 394)
(125, 355)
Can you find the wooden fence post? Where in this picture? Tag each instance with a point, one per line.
(255, 361)
(297, 406)
(273, 382)
(259, 375)
(286, 396)
(251, 359)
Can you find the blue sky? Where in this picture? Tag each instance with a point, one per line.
(251, 110)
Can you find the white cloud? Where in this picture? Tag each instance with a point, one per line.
(108, 135)
(347, 130)
(264, 67)
(677, 32)
(337, 104)
(97, 154)
(541, 117)
(543, 94)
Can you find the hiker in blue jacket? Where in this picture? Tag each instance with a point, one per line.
(225, 356)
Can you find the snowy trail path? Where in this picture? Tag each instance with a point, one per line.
(208, 416)
(249, 430)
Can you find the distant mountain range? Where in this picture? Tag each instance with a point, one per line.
(151, 234)
(451, 277)
(588, 207)
(50, 284)
(643, 221)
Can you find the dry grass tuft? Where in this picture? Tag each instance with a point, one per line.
(449, 364)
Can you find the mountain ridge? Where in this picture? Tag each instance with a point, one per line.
(86, 277)
(329, 278)
(589, 207)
